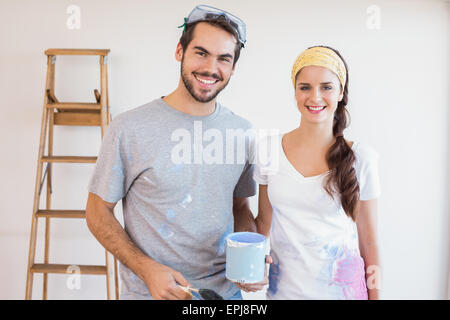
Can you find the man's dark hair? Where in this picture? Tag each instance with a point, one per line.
(220, 22)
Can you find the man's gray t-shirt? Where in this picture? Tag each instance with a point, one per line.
(176, 181)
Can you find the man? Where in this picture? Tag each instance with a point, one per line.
(176, 213)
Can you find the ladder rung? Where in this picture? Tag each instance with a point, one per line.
(75, 52)
(75, 105)
(77, 119)
(63, 268)
(69, 159)
(61, 214)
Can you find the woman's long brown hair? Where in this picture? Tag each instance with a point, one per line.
(341, 158)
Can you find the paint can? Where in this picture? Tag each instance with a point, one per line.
(245, 257)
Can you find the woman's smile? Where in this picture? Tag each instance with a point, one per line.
(315, 109)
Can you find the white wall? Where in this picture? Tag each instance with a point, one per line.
(399, 80)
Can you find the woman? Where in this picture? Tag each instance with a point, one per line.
(319, 201)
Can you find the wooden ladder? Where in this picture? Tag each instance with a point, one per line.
(67, 114)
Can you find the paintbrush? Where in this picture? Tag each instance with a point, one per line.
(205, 294)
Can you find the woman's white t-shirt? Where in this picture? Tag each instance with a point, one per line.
(314, 244)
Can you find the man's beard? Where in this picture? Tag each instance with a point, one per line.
(190, 87)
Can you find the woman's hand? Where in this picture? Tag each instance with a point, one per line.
(253, 287)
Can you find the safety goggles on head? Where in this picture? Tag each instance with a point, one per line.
(205, 13)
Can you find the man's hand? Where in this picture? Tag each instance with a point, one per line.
(253, 287)
(162, 282)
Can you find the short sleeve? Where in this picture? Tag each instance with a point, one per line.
(266, 158)
(245, 187)
(259, 176)
(369, 181)
(109, 180)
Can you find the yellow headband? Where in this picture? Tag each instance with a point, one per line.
(323, 57)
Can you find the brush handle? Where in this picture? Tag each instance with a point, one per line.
(187, 289)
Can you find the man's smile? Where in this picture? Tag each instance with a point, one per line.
(206, 82)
